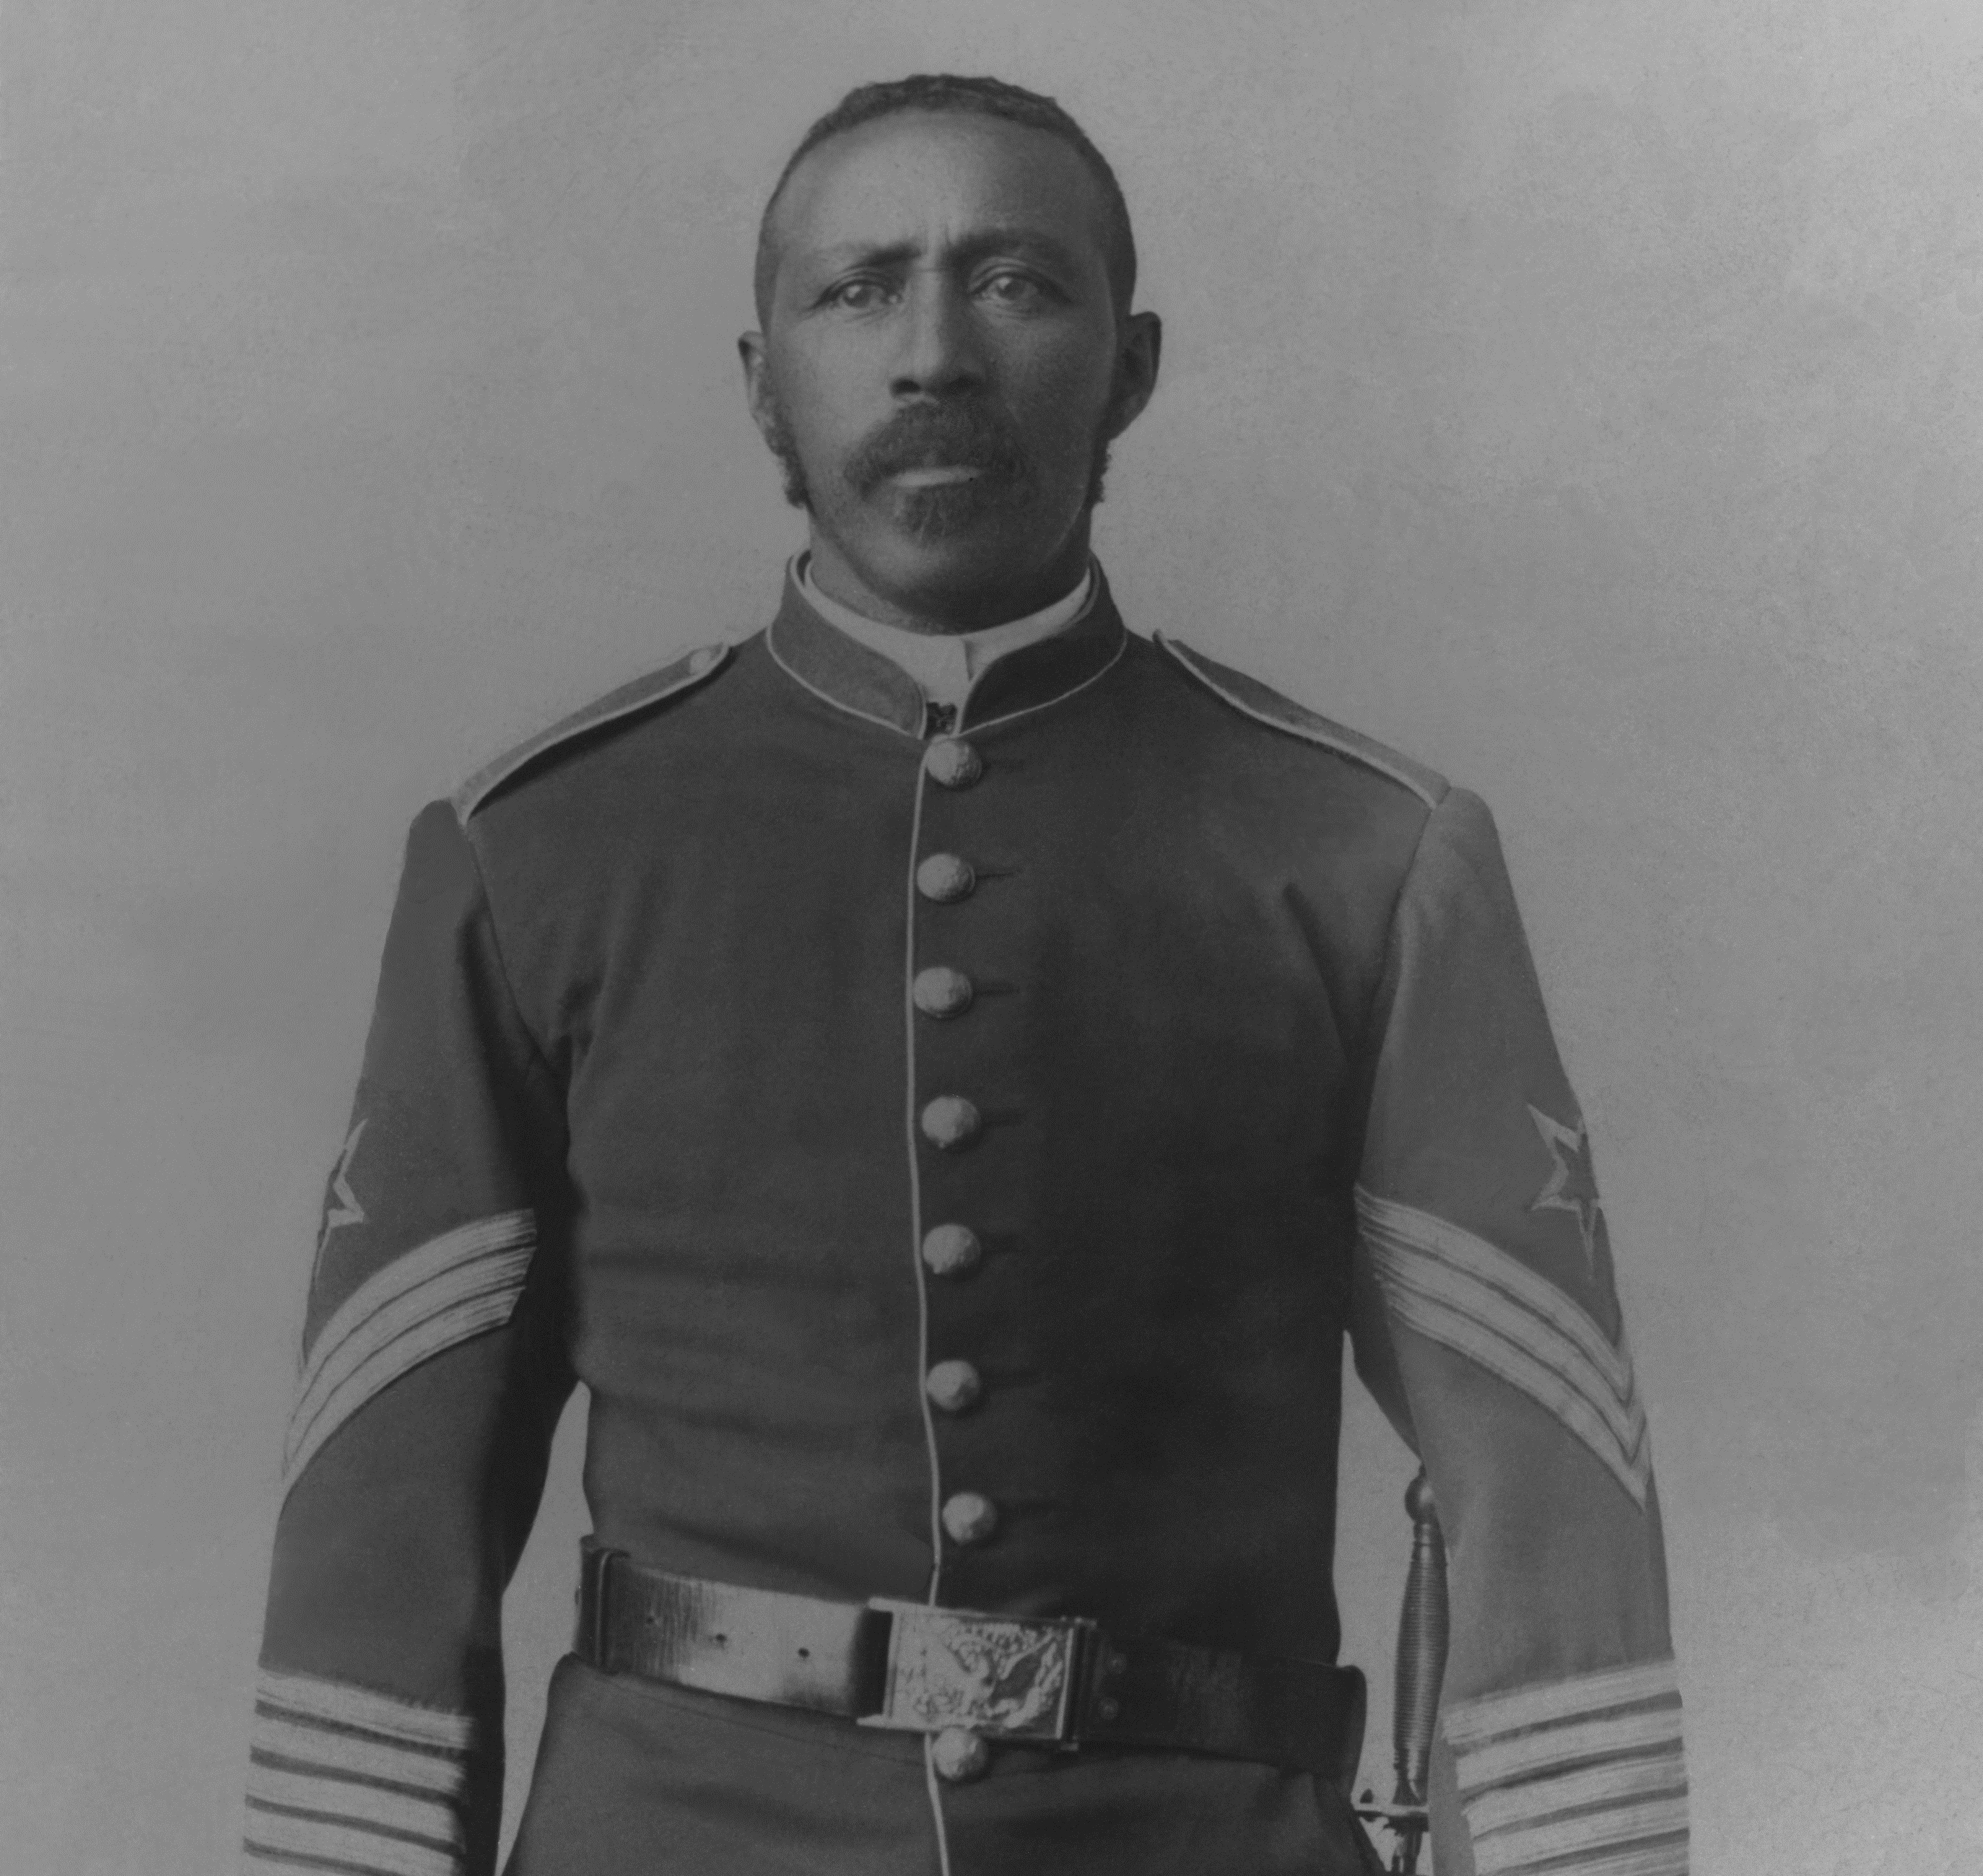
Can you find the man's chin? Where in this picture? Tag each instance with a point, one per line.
(979, 524)
(945, 512)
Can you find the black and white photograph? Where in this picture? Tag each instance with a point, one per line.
(998, 940)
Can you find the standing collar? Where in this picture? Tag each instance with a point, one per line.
(847, 671)
(947, 664)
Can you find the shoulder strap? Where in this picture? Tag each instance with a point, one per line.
(697, 667)
(1252, 698)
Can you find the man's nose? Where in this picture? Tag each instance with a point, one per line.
(940, 351)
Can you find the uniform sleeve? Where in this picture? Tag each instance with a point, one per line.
(431, 1381)
(1487, 1324)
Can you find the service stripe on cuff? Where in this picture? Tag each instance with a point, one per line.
(337, 1702)
(1461, 1291)
(343, 1777)
(1585, 1742)
(1668, 1858)
(352, 1755)
(1625, 1828)
(1576, 1697)
(429, 1819)
(318, 1844)
(1662, 1776)
(1581, 1776)
(454, 1286)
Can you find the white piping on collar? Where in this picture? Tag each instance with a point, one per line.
(1013, 716)
(827, 697)
(946, 666)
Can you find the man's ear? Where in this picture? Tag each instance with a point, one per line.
(1136, 360)
(757, 383)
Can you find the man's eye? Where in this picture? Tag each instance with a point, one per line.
(1011, 289)
(858, 295)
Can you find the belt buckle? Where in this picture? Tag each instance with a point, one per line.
(1006, 1677)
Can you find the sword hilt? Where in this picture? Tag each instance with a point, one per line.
(1423, 1629)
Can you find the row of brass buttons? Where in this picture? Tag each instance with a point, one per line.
(950, 1123)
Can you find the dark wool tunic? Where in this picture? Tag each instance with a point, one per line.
(702, 1018)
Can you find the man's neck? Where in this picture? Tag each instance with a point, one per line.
(991, 603)
(945, 665)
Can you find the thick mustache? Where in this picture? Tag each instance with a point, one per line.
(938, 437)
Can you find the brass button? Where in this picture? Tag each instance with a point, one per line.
(951, 1123)
(940, 991)
(954, 1386)
(950, 1250)
(945, 878)
(959, 1755)
(953, 762)
(969, 1517)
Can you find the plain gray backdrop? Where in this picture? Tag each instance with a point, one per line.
(1586, 398)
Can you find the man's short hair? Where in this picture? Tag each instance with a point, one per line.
(981, 97)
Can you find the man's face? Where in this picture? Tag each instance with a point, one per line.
(941, 366)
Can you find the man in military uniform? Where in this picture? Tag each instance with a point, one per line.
(948, 1073)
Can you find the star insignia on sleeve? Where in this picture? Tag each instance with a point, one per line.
(1572, 1186)
(341, 1205)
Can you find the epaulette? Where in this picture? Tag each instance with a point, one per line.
(1252, 698)
(697, 667)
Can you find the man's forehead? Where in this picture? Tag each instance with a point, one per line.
(894, 179)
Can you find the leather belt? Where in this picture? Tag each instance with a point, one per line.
(1055, 1683)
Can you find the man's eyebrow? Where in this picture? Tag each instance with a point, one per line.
(851, 253)
(1008, 238)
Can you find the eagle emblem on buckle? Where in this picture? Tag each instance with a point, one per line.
(1007, 1677)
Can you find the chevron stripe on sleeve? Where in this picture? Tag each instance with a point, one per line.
(1461, 1291)
(456, 1286)
(344, 1779)
(1584, 1776)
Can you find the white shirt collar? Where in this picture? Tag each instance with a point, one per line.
(946, 664)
